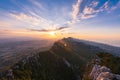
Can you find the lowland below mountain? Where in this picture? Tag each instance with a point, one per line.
(67, 59)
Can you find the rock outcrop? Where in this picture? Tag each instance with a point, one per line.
(100, 72)
(103, 73)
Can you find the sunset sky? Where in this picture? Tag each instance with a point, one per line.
(85, 19)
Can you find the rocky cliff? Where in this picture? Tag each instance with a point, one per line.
(104, 66)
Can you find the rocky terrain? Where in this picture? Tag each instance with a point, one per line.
(100, 69)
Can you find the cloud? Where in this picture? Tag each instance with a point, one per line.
(3, 32)
(25, 18)
(91, 9)
(30, 21)
(37, 3)
(76, 10)
(83, 16)
(49, 30)
(32, 15)
(115, 7)
(94, 4)
(87, 12)
(4, 24)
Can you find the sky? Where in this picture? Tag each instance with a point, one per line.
(97, 20)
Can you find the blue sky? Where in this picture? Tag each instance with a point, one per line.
(86, 19)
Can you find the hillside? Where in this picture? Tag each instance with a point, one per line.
(12, 51)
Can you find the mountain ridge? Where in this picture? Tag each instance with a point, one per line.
(107, 47)
(65, 60)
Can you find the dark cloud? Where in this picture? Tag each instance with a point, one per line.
(49, 30)
(61, 28)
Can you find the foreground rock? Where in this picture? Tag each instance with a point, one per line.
(99, 68)
(103, 73)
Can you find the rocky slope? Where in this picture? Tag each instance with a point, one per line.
(66, 60)
(104, 66)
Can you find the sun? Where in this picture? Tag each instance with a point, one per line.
(52, 33)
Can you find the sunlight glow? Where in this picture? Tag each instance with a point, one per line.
(52, 33)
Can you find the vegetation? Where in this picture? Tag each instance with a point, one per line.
(111, 61)
(44, 66)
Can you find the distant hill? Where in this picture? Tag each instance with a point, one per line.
(65, 60)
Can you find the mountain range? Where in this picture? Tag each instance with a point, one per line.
(67, 59)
